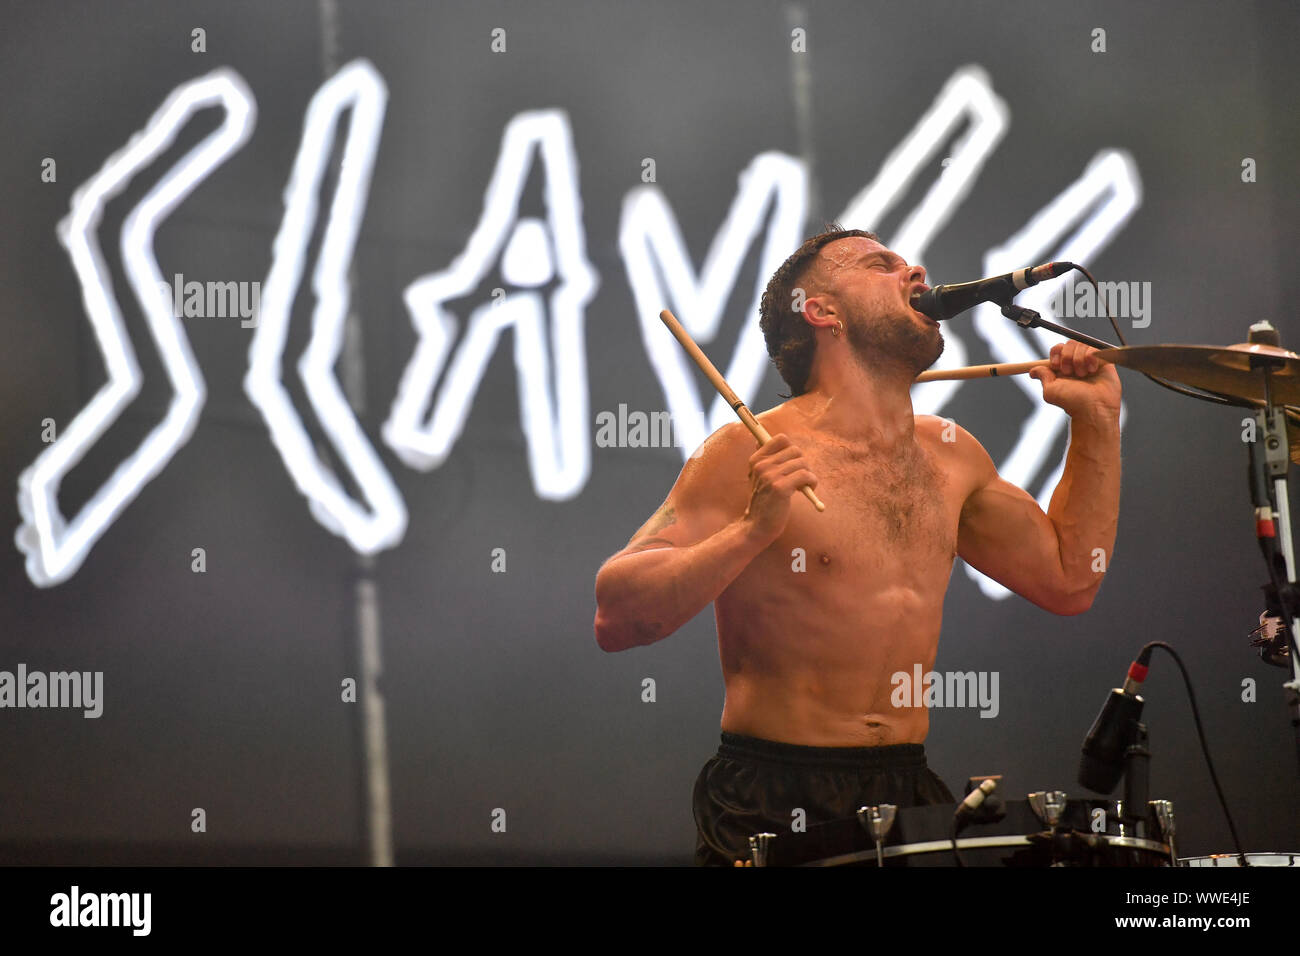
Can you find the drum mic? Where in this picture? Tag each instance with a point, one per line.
(975, 799)
(1104, 749)
(945, 301)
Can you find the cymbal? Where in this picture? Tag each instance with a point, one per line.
(1225, 369)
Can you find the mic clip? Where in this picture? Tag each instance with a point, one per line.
(1025, 318)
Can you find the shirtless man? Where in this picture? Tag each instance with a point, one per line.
(807, 655)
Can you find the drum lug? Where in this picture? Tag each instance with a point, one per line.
(878, 821)
(1048, 805)
(1164, 814)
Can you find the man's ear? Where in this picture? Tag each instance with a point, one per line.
(819, 311)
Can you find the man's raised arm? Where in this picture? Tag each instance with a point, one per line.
(724, 510)
(1056, 560)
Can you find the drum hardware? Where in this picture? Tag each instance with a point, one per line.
(1270, 638)
(1117, 745)
(1253, 859)
(878, 821)
(1071, 844)
(1262, 375)
(980, 806)
(1048, 806)
(1137, 778)
(759, 847)
(1117, 726)
(1086, 833)
(1163, 811)
(1267, 377)
(1251, 370)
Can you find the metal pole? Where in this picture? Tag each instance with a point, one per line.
(376, 798)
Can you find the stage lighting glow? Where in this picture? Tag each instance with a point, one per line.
(543, 263)
(359, 88)
(551, 369)
(648, 235)
(56, 547)
(967, 97)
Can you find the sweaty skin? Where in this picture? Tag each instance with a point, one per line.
(816, 612)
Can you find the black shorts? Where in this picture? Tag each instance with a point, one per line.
(753, 786)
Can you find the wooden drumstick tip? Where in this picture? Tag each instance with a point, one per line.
(729, 396)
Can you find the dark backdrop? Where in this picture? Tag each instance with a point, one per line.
(222, 689)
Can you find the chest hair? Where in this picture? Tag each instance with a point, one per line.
(897, 496)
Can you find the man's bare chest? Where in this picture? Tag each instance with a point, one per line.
(882, 509)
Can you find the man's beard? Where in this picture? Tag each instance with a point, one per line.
(895, 341)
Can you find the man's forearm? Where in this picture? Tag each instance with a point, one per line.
(1085, 505)
(643, 596)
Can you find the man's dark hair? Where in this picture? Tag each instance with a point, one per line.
(790, 340)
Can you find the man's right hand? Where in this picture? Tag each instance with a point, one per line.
(776, 472)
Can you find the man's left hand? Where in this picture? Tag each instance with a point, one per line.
(1078, 381)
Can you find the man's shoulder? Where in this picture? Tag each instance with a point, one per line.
(716, 474)
(723, 445)
(946, 431)
(956, 449)
(735, 437)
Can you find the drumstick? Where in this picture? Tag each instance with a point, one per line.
(980, 371)
(730, 397)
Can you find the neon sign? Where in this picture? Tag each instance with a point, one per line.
(55, 546)
(358, 88)
(426, 418)
(554, 416)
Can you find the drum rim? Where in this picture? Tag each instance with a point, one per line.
(975, 843)
(1186, 860)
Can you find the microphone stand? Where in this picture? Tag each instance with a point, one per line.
(1137, 778)
(1029, 319)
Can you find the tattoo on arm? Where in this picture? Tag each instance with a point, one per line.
(662, 519)
(649, 542)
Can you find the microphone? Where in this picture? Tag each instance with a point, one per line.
(1102, 763)
(945, 301)
(975, 799)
